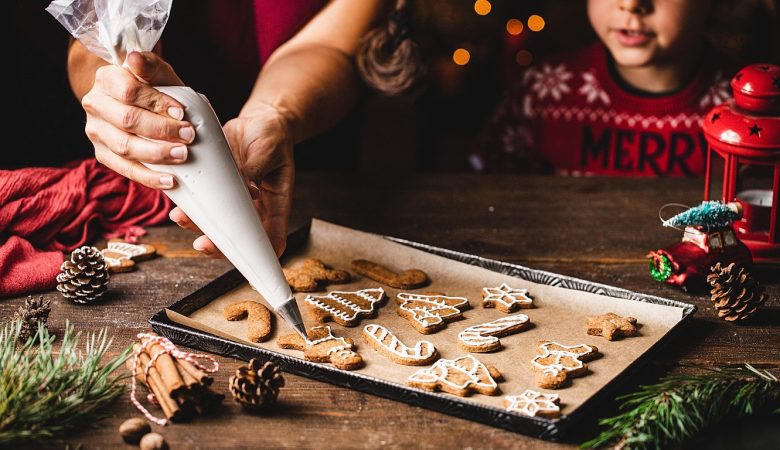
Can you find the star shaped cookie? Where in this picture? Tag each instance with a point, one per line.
(506, 299)
(531, 403)
(611, 326)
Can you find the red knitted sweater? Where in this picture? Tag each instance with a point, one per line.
(570, 115)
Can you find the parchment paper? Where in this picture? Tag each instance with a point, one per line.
(559, 315)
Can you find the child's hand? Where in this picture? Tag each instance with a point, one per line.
(262, 145)
(123, 114)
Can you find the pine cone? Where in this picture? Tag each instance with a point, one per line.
(33, 314)
(84, 276)
(256, 386)
(735, 293)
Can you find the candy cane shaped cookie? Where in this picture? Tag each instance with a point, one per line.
(484, 337)
(385, 342)
(258, 317)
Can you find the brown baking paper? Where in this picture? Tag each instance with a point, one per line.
(559, 314)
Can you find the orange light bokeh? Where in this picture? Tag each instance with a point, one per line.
(482, 7)
(461, 56)
(536, 23)
(514, 27)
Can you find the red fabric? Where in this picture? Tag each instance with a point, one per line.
(570, 115)
(45, 211)
(276, 22)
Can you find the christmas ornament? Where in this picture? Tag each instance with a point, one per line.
(84, 276)
(32, 315)
(735, 293)
(744, 143)
(256, 385)
(708, 239)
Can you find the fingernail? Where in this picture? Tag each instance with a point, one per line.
(166, 181)
(176, 112)
(187, 133)
(199, 247)
(179, 153)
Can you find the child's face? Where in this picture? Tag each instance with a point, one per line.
(643, 33)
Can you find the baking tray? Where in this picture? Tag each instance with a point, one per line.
(550, 429)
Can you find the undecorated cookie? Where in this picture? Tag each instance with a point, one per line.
(611, 326)
(258, 317)
(408, 279)
(311, 273)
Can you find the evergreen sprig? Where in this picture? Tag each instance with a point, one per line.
(46, 393)
(680, 406)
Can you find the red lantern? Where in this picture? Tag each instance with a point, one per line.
(744, 142)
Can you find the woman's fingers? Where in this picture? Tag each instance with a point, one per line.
(120, 85)
(152, 69)
(204, 245)
(133, 147)
(181, 219)
(133, 169)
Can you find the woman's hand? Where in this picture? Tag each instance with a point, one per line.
(129, 122)
(262, 145)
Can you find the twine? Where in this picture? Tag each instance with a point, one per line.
(148, 340)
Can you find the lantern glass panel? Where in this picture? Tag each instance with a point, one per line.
(717, 164)
(754, 177)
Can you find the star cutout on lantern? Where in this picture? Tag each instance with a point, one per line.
(755, 130)
(776, 82)
(739, 76)
(715, 117)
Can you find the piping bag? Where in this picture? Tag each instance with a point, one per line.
(209, 188)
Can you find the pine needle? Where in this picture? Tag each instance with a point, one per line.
(680, 406)
(46, 394)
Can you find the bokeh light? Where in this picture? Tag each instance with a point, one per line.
(514, 27)
(524, 58)
(461, 56)
(535, 23)
(482, 7)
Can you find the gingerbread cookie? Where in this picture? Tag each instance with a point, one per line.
(611, 326)
(484, 337)
(556, 363)
(385, 342)
(258, 318)
(408, 279)
(458, 376)
(430, 312)
(323, 346)
(506, 299)
(121, 256)
(311, 273)
(531, 403)
(346, 308)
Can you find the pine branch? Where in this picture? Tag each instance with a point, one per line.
(45, 394)
(680, 406)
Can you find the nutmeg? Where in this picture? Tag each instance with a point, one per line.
(153, 441)
(132, 430)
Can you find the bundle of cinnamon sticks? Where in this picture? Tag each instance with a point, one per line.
(181, 389)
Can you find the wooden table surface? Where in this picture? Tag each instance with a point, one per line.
(594, 228)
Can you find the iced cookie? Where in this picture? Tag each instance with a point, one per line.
(531, 403)
(611, 326)
(258, 317)
(506, 299)
(121, 256)
(429, 313)
(323, 346)
(484, 337)
(408, 279)
(557, 363)
(311, 273)
(457, 376)
(385, 342)
(346, 308)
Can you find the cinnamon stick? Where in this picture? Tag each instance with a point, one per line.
(189, 380)
(166, 366)
(199, 375)
(156, 385)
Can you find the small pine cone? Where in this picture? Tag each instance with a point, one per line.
(735, 293)
(256, 385)
(84, 276)
(33, 314)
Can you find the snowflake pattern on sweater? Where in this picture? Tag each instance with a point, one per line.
(570, 116)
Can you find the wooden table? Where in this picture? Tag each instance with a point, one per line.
(594, 228)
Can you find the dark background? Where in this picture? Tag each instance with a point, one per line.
(432, 130)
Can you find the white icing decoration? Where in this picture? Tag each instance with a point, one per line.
(466, 365)
(431, 310)
(344, 350)
(484, 334)
(351, 310)
(125, 250)
(530, 403)
(507, 296)
(420, 352)
(573, 352)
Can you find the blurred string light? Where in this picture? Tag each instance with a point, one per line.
(524, 58)
(461, 56)
(536, 23)
(514, 27)
(482, 7)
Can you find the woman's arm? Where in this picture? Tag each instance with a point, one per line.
(311, 79)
